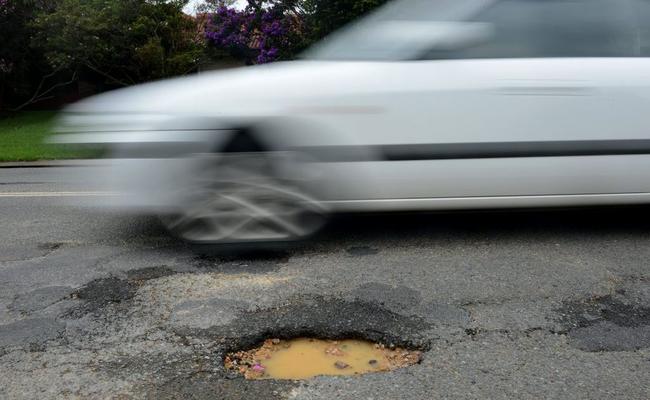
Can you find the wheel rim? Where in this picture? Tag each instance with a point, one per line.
(243, 198)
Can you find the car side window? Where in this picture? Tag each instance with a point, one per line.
(642, 22)
(560, 28)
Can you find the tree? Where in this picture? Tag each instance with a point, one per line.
(125, 42)
(47, 44)
(269, 30)
(24, 73)
(264, 31)
(326, 16)
(209, 6)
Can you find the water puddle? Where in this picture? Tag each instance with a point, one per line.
(306, 358)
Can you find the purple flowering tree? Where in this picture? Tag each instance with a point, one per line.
(263, 32)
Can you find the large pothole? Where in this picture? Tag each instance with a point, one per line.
(317, 317)
(199, 365)
(305, 358)
(328, 319)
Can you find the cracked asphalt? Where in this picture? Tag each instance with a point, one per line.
(525, 305)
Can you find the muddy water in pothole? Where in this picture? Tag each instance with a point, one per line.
(306, 358)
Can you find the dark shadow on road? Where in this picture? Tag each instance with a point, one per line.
(358, 232)
(590, 221)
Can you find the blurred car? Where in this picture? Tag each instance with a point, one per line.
(422, 105)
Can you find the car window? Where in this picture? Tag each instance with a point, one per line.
(559, 28)
(364, 40)
(518, 29)
(642, 24)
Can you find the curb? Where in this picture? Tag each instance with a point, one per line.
(47, 164)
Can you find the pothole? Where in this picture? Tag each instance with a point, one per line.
(608, 323)
(305, 358)
(99, 293)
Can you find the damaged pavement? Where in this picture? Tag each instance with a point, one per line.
(502, 305)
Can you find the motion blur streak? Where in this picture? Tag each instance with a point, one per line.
(447, 104)
(54, 194)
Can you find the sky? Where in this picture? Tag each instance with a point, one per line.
(191, 6)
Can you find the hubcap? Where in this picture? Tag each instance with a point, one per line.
(244, 198)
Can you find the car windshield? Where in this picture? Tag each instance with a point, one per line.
(453, 29)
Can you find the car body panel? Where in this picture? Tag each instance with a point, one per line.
(449, 104)
(369, 106)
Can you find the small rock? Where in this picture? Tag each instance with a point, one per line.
(334, 351)
(341, 365)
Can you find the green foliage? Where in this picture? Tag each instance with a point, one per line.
(126, 41)
(48, 44)
(285, 27)
(21, 67)
(326, 16)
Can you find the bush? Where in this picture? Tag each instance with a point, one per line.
(269, 30)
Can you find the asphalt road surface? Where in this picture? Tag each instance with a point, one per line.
(531, 305)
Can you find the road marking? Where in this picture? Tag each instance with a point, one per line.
(55, 194)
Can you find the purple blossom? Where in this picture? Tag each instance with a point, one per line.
(261, 35)
(267, 56)
(6, 8)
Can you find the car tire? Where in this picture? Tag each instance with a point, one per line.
(246, 198)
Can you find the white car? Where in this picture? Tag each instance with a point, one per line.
(423, 105)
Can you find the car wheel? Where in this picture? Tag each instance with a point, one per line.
(238, 198)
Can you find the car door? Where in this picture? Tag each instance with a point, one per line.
(553, 104)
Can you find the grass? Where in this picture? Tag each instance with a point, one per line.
(23, 136)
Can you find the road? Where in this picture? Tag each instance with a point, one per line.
(529, 305)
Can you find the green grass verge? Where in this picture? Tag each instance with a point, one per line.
(23, 136)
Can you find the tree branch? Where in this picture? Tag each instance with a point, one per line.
(107, 75)
(40, 96)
